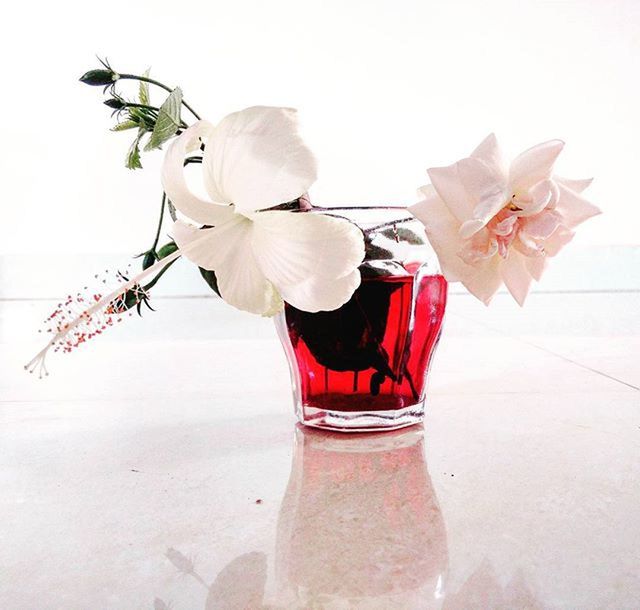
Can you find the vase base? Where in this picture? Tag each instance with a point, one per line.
(361, 421)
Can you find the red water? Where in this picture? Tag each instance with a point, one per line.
(372, 354)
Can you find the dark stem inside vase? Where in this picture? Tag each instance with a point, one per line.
(373, 352)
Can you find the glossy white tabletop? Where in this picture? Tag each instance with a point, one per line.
(162, 468)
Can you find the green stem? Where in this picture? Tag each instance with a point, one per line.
(154, 281)
(360, 207)
(155, 241)
(146, 79)
(384, 225)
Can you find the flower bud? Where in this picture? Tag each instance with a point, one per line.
(98, 78)
(115, 103)
(148, 260)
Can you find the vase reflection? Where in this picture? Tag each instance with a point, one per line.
(360, 525)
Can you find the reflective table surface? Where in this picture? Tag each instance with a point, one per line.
(162, 468)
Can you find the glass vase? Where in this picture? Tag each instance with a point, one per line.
(364, 366)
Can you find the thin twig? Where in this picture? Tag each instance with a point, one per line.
(146, 79)
(391, 223)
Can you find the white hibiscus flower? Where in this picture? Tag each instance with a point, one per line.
(254, 160)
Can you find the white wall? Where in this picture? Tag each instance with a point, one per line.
(385, 89)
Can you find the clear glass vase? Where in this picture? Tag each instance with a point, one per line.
(364, 366)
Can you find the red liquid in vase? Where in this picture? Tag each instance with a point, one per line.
(373, 353)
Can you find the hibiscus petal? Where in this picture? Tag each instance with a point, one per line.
(573, 208)
(516, 276)
(577, 186)
(227, 251)
(256, 159)
(292, 247)
(175, 185)
(534, 165)
(447, 184)
(321, 294)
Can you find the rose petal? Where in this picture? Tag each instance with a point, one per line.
(227, 251)
(257, 159)
(573, 208)
(486, 188)
(175, 185)
(516, 276)
(534, 165)
(577, 186)
(536, 266)
(541, 195)
(482, 279)
(448, 186)
(489, 151)
(542, 225)
(560, 238)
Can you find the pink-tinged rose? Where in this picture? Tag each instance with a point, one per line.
(490, 224)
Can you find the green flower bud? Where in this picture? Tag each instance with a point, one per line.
(148, 260)
(115, 103)
(99, 78)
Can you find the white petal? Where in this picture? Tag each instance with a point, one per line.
(489, 151)
(256, 159)
(482, 279)
(321, 294)
(175, 186)
(227, 251)
(534, 165)
(577, 186)
(573, 208)
(292, 247)
(447, 184)
(516, 276)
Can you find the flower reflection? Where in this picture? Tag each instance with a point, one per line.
(360, 525)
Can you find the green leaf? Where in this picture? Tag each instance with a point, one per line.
(168, 120)
(128, 124)
(211, 279)
(404, 234)
(167, 249)
(143, 92)
(133, 156)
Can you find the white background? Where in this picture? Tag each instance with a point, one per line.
(384, 89)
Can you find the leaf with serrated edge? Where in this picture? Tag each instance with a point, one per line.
(133, 156)
(143, 92)
(168, 120)
(124, 126)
